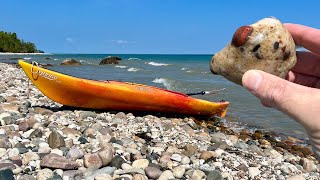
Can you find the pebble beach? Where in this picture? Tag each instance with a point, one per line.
(41, 139)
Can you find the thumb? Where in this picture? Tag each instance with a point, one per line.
(292, 99)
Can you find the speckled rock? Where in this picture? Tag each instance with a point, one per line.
(56, 140)
(166, 175)
(153, 172)
(54, 161)
(265, 45)
(44, 174)
(179, 171)
(92, 160)
(106, 154)
(140, 163)
(198, 175)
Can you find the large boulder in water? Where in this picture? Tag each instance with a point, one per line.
(110, 60)
(70, 62)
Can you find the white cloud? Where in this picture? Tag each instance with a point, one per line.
(119, 41)
(69, 39)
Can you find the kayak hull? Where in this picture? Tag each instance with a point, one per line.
(119, 96)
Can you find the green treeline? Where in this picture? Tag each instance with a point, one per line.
(9, 42)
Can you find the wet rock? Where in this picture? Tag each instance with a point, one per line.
(56, 140)
(70, 62)
(55, 161)
(110, 60)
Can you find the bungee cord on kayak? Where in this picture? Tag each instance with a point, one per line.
(213, 92)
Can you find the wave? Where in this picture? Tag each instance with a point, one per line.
(134, 59)
(122, 67)
(183, 69)
(157, 64)
(56, 59)
(133, 69)
(165, 82)
(27, 58)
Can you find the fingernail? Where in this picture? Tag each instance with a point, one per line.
(251, 80)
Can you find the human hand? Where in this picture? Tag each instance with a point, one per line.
(299, 95)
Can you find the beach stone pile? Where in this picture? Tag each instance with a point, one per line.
(39, 139)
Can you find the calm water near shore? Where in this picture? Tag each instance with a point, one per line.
(183, 73)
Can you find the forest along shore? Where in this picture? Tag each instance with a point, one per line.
(40, 139)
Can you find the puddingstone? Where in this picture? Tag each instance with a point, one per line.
(265, 45)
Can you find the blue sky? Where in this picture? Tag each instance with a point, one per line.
(143, 26)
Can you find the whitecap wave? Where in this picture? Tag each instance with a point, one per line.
(183, 69)
(157, 64)
(163, 81)
(134, 59)
(122, 67)
(27, 58)
(56, 59)
(133, 69)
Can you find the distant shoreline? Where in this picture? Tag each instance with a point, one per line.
(5, 53)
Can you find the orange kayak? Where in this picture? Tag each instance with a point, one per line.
(118, 96)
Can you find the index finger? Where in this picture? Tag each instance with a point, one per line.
(305, 36)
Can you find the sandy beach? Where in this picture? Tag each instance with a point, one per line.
(40, 139)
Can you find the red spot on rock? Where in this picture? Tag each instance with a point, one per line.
(241, 35)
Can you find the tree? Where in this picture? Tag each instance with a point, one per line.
(9, 42)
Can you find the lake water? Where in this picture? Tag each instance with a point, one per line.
(183, 73)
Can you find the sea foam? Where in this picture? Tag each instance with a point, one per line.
(134, 59)
(27, 58)
(133, 69)
(163, 81)
(157, 64)
(122, 67)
